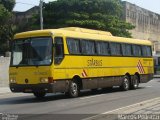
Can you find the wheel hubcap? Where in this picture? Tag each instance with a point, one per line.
(74, 88)
(126, 83)
(135, 83)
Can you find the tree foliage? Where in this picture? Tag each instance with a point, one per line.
(6, 7)
(94, 14)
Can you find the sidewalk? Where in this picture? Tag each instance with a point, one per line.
(146, 110)
(4, 90)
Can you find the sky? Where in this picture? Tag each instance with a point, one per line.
(23, 5)
(152, 5)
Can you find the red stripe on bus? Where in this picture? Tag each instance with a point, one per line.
(85, 73)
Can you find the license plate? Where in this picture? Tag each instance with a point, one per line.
(28, 90)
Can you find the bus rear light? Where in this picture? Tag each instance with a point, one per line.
(50, 79)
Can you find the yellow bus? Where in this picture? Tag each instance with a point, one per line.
(71, 59)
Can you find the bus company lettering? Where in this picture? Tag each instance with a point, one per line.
(93, 62)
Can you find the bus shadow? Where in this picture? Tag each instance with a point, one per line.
(54, 97)
(31, 99)
(104, 91)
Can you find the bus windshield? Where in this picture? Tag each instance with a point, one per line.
(32, 51)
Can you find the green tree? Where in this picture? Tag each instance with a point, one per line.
(6, 7)
(94, 14)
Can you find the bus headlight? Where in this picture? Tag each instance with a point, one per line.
(12, 80)
(44, 80)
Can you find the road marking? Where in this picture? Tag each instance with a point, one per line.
(149, 86)
(91, 96)
(112, 111)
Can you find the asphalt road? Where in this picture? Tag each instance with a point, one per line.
(88, 104)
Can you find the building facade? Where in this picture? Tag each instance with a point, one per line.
(147, 24)
(20, 19)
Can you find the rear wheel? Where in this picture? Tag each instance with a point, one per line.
(39, 94)
(125, 84)
(135, 82)
(73, 89)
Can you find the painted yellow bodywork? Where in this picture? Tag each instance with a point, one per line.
(75, 65)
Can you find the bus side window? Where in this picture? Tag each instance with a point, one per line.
(88, 47)
(137, 50)
(102, 48)
(58, 50)
(115, 49)
(126, 49)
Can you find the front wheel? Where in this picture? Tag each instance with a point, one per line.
(39, 95)
(73, 89)
(125, 84)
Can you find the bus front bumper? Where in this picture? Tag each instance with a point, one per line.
(42, 87)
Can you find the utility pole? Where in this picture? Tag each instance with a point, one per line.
(41, 14)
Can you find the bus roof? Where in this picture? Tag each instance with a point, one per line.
(76, 32)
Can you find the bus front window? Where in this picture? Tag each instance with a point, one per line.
(32, 52)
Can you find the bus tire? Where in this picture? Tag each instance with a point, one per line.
(125, 83)
(74, 90)
(39, 95)
(135, 82)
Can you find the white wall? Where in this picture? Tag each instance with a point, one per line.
(4, 71)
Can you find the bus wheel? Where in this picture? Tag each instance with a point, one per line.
(135, 82)
(125, 84)
(39, 94)
(73, 89)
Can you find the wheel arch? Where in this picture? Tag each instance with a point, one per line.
(129, 76)
(78, 79)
